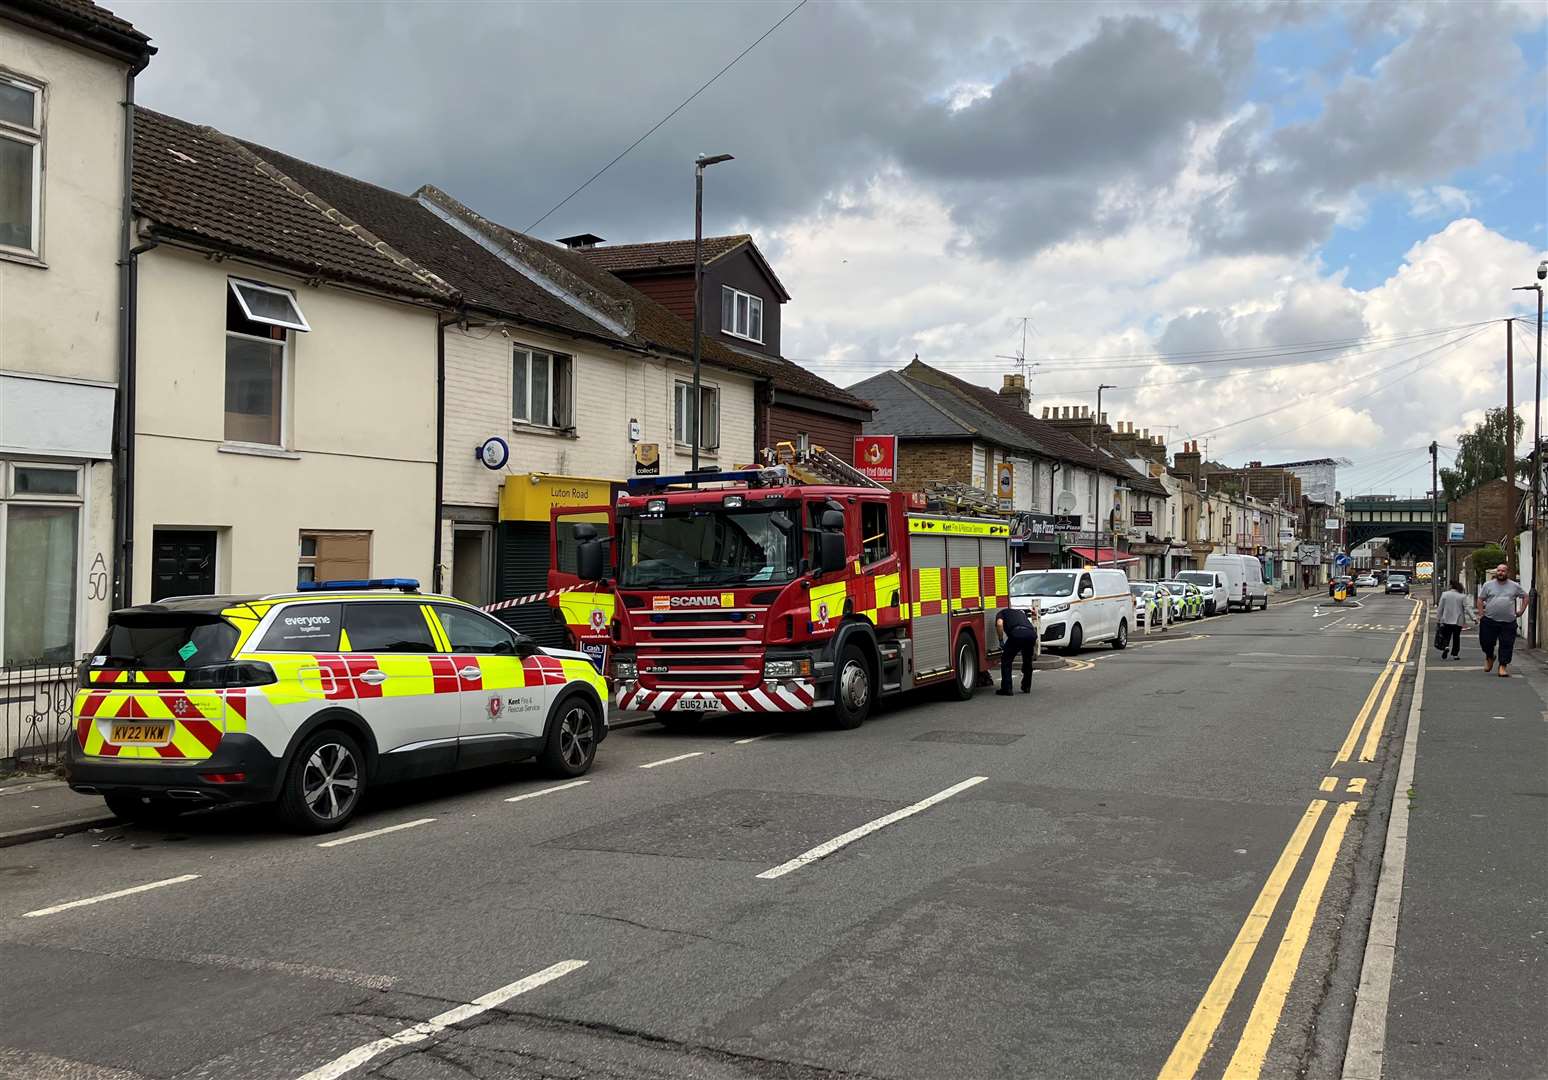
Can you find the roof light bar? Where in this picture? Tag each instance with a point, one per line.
(401, 584)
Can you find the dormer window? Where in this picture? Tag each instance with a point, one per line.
(741, 314)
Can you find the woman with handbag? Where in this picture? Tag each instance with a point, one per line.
(1450, 614)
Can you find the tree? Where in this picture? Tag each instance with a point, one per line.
(1481, 455)
(1484, 560)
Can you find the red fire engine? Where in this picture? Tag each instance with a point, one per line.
(766, 590)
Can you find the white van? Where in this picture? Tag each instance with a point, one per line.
(1245, 586)
(1212, 583)
(1076, 607)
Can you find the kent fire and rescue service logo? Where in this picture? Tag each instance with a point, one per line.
(598, 621)
(822, 615)
(496, 707)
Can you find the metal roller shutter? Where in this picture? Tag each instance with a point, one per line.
(522, 558)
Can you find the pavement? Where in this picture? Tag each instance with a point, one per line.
(1469, 989)
(1160, 862)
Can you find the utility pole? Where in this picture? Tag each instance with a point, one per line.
(1435, 574)
(696, 417)
(1510, 439)
(1096, 502)
(1533, 619)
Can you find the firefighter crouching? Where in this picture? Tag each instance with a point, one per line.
(1018, 636)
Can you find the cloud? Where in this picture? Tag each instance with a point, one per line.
(1441, 200)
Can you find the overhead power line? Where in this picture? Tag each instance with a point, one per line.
(657, 126)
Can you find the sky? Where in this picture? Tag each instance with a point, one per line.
(1280, 229)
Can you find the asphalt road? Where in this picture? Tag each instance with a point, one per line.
(1071, 914)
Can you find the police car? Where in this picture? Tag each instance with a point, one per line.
(1187, 599)
(305, 699)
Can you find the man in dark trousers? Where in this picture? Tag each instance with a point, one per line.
(1018, 635)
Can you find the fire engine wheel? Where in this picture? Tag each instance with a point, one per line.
(1122, 640)
(967, 668)
(852, 689)
(324, 783)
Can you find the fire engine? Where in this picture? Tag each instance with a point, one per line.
(789, 587)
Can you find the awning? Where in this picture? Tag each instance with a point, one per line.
(1105, 556)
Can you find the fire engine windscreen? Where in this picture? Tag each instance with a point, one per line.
(708, 546)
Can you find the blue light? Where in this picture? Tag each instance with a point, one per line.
(401, 583)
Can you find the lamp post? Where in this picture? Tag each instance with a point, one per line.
(697, 416)
(1096, 498)
(1537, 445)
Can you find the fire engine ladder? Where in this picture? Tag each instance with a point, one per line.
(817, 466)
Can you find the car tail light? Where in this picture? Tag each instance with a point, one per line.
(226, 676)
(224, 777)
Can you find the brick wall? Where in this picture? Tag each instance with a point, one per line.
(1487, 511)
(922, 461)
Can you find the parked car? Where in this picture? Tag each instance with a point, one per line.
(1077, 607)
(1397, 583)
(1244, 579)
(1187, 599)
(1366, 581)
(306, 699)
(1152, 604)
(1212, 584)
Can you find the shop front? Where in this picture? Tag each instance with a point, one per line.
(1034, 541)
(527, 502)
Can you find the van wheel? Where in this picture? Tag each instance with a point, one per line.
(1076, 637)
(852, 694)
(572, 744)
(1122, 640)
(967, 668)
(324, 783)
(141, 809)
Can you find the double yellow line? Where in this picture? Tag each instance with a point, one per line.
(1247, 1059)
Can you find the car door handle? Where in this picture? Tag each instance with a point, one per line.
(375, 676)
(471, 673)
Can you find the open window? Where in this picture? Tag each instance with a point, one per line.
(875, 532)
(268, 305)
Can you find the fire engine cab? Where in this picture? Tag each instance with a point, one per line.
(776, 589)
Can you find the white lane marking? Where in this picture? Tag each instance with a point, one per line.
(548, 790)
(669, 760)
(436, 1024)
(756, 738)
(57, 908)
(376, 832)
(823, 850)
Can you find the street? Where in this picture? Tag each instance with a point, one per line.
(1064, 916)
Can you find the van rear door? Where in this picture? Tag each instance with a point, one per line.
(152, 688)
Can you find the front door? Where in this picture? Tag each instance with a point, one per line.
(182, 563)
(401, 686)
(504, 696)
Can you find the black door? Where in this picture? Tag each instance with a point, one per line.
(182, 563)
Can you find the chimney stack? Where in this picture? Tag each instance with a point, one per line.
(1015, 389)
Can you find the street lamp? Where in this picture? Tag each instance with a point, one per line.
(699, 165)
(1537, 445)
(1096, 498)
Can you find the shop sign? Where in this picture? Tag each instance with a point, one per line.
(1033, 526)
(1066, 523)
(533, 496)
(647, 459)
(1005, 480)
(877, 457)
(1143, 518)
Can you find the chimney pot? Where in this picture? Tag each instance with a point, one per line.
(1147, 433)
(1103, 418)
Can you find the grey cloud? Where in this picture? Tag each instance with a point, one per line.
(1440, 100)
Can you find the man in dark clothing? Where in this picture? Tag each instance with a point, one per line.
(1018, 635)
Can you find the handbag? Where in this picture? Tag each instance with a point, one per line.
(1440, 638)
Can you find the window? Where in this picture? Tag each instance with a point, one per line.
(333, 556)
(470, 632)
(39, 548)
(21, 164)
(259, 320)
(803, 442)
(875, 533)
(541, 388)
(707, 416)
(310, 628)
(172, 640)
(388, 627)
(741, 314)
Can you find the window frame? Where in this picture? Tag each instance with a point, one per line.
(682, 389)
(33, 137)
(309, 562)
(891, 549)
(257, 286)
(737, 295)
(409, 605)
(79, 596)
(284, 393)
(532, 352)
(441, 608)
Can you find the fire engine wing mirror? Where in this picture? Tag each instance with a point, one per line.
(833, 521)
(830, 551)
(588, 555)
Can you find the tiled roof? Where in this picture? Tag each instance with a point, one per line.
(199, 183)
(920, 410)
(661, 255)
(1036, 434)
(483, 280)
(88, 20)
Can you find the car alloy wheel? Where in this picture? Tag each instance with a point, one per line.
(577, 737)
(330, 781)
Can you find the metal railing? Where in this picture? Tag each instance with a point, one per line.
(35, 714)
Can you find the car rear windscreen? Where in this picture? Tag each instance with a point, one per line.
(165, 640)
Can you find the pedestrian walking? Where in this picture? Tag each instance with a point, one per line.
(1500, 603)
(1018, 636)
(1450, 614)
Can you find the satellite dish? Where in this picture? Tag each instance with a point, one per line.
(1065, 503)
